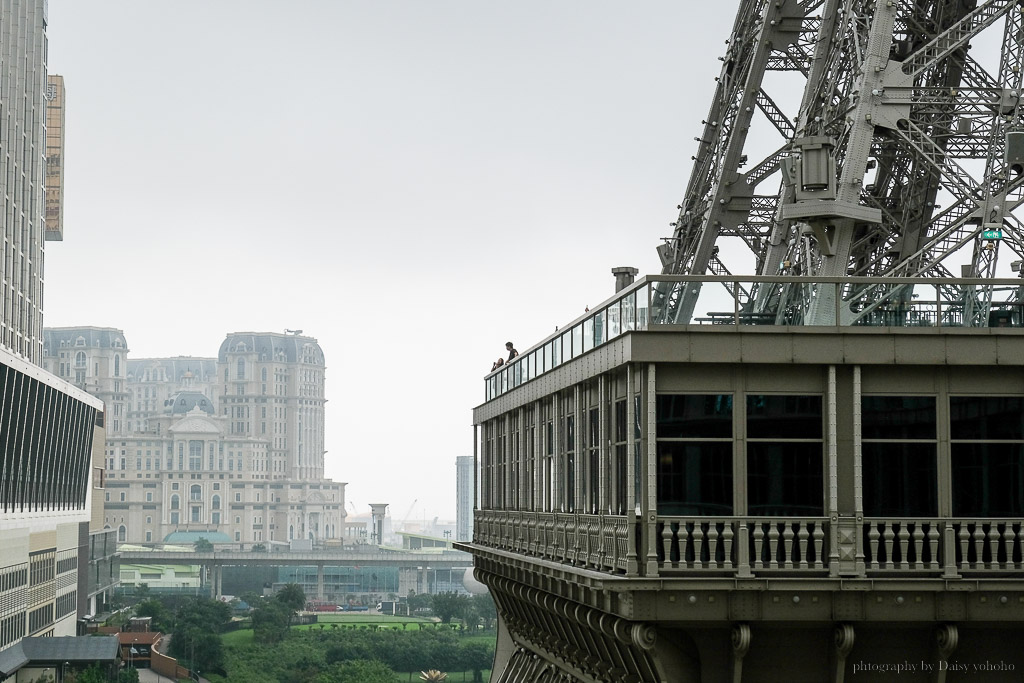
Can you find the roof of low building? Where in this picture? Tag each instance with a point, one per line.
(60, 649)
(193, 536)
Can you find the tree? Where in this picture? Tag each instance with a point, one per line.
(198, 622)
(484, 608)
(446, 606)
(204, 614)
(359, 671)
(202, 545)
(154, 609)
(270, 621)
(259, 548)
(418, 601)
(477, 657)
(292, 596)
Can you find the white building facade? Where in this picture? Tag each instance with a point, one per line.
(230, 449)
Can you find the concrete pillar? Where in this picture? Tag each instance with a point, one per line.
(624, 277)
(320, 581)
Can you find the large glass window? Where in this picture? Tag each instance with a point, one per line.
(987, 452)
(695, 454)
(784, 455)
(618, 498)
(898, 456)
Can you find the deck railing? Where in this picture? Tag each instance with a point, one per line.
(746, 545)
(657, 301)
(756, 546)
(598, 542)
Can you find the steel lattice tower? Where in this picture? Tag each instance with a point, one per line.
(903, 155)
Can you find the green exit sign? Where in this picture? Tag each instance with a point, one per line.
(991, 234)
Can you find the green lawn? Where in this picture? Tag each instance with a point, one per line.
(244, 636)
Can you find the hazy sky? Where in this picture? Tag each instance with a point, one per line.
(412, 182)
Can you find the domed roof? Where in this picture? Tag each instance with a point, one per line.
(195, 423)
(84, 337)
(269, 346)
(186, 401)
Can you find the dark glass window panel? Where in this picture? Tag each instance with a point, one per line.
(620, 421)
(595, 428)
(783, 417)
(695, 478)
(620, 479)
(986, 417)
(570, 483)
(695, 416)
(785, 479)
(988, 480)
(900, 480)
(898, 417)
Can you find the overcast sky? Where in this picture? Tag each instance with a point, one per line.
(412, 182)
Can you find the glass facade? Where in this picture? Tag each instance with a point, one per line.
(695, 454)
(899, 456)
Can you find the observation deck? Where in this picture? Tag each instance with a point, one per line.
(651, 479)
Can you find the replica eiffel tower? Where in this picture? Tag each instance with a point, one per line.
(812, 470)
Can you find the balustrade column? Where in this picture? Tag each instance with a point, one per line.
(537, 497)
(649, 469)
(632, 563)
(579, 453)
(602, 444)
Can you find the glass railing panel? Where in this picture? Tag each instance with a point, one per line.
(627, 305)
(878, 304)
(752, 310)
(641, 307)
(613, 316)
(599, 328)
(588, 334)
(577, 340)
(566, 346)
(664, 301)
(712, 302)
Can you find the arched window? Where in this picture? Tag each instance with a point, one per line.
(241, 368)
(175, 502)
(195, 492)
(263, 374)
(216, 502)
(80, 359)
(122, 534)
(117, 366)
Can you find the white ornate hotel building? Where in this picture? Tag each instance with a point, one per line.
(228, 448)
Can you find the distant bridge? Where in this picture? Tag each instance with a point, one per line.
(214, 562)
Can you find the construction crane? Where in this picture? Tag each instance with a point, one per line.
(408, 512)
(857, 137)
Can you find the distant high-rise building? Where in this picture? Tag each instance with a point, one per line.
(23, 141)
(230, 449)
(52, 568)
(272, 388)
(464, 498)
(55, 158)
